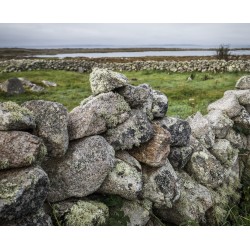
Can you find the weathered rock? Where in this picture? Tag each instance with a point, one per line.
(36, 88)
(160, 104)
(161, 185)
(247, 107)
(243, 83)
(129, 159)
(82, 170)
(155, 151)
(236, 139)
(137, 211)
(97, 114)
(205, 168)
(243, 96)
(135, 130)
(13, 86)
(194, 201)
(242, 122)
(81, 213)
(20, 149)
(25, 82)
(201, 129)
(52, 125)
(49, 84)
(179, 129)
(22, 192)
(224, 152)
(229, 104)
(134, 95)
(179, 156)
(104, 80)
(220, 123)
(39, 218)
(123, 180)
(14, 117)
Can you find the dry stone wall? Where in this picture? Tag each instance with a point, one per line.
(18, 65)
(61, 168)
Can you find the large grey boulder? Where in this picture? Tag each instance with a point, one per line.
(136, 130)
(13, 86)
(236, 139)
(22, 191)
(160, 104)
(243, 96)
(192, 205)
(205, 168)
(104, 80)
(161, 185)
(20, 149)
(123, 180)
(229, 104)
(14, 117)
(243, 83)
(220, 123)
(224, 152)
(242, 122)
(97, 114)
(179, 156)
(155, 151)
(179, 129)
(52, 125)
(82, 170)
(81, 213)
(201, 129)
(138, 212)
(38, 218)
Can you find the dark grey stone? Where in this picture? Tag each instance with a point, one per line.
(13, 86)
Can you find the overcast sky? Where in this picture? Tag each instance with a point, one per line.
(21, 35)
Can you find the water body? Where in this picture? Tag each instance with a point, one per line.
(145, 53)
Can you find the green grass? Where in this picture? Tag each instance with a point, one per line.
(74, 87)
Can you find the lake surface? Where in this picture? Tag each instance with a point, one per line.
(145, 53)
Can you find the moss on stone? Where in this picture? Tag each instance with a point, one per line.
(7, 189)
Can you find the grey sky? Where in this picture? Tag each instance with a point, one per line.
(21, 35)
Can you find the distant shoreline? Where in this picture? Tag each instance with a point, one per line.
(15, 53)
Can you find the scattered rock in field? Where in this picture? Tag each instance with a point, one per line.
(82, 170)
(220, 123)
(22, 191)
(161, 185)
(194, 201)
(99, 113)
(229, 104)
(243, 83)
(201, 129)
(104, 80)
(14, 117)
(179, 156)
(13, 86)
(52, 125)
(123, 180)
(20, 149)
(49, 84)
(135, 130)
(155, 151)
(31, 86)
(36, 88)
(81, 213)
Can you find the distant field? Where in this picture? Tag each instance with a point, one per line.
(74, 87)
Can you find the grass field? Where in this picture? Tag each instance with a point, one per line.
(74, 87)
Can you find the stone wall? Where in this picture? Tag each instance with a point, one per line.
(118, 159)
(87, 65)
